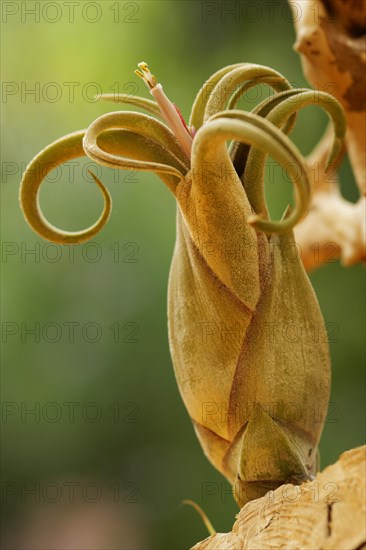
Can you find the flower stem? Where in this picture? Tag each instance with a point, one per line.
(167, 108)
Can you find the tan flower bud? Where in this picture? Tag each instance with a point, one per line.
(246, 334)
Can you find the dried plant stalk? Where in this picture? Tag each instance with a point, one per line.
(331, 42)
(323, 514)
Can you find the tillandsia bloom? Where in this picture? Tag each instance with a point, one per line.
(246, 334)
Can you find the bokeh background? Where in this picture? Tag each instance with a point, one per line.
(109, 452)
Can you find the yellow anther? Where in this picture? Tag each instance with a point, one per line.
(146, 75)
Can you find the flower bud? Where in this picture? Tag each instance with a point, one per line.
(246, 334)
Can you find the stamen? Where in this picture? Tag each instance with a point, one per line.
(146, 75)
(168, 109)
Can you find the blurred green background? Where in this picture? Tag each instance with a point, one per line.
(129, 444)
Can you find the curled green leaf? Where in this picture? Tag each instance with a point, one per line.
(199, 104)
(239, 151)
(62, 150)
(175, 160)
(241, 90)
(292, 103)
(230, 82)
(268, 139)
(147, 104)
(69, 147)
(278, 110)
